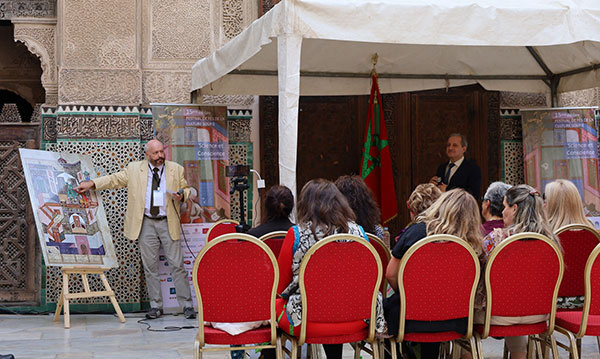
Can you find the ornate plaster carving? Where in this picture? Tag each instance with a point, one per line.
(10, 9)
(233, 17)
(99, 35)
(241, 100)
(179, 29)
(100, 86)
(582, 98)
(172, 87)
(522, 99)
(39, 35)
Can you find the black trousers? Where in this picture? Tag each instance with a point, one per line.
(332, 351)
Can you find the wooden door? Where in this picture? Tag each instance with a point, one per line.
(330, 136)
(20, 270)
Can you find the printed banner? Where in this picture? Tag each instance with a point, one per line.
(193, 237)
(196, 138)
(563, 144)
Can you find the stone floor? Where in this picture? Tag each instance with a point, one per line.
(103, 336)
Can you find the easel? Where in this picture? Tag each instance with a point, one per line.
(65, 295)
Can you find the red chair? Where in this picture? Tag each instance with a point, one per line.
(274, 240)
(522, 277)
(384, 255)
(577, 324)
(235, 278)
(223, 226)
(339, 281)
(577, 241)
(437, 280)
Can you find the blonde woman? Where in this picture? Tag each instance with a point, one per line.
(455, 212)
(564, 205)
(420, 199)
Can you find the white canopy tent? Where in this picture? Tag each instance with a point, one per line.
(324, 47)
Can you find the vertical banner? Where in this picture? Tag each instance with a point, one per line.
(193, 238)
(196, 137)
(563, 144)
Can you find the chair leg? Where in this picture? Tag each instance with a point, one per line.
(474, 347)
(393, 348)
(554, 347)
(505, 353)
(295, 350)
(375, 349)
(579, 345)
(356, 346)
(278, 350)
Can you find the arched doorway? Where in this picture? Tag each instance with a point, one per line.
(20, 76)
(20, 91)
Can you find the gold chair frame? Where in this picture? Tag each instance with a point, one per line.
(296, 342)
(221, 221)
(474, 343)
(573, 348)
(547, 337)
(199, 341)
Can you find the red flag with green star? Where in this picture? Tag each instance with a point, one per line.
(376, 169)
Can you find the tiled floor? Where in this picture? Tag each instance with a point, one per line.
(103, 336)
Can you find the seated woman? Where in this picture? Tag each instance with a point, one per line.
(456, 212)
(322, 211)
(523, 212)
(493, 205)
(279, 203)
(362, 203)
(564, 207)
(420, 199)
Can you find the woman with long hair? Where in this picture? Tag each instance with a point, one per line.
(564, 205)
(362, 203)
(279, 203)
(523, 212)
(322, 211)
(456, 213)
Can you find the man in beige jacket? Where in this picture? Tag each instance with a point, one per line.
(156, 189)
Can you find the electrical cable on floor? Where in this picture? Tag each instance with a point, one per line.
(165, 329)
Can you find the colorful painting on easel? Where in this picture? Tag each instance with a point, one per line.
(72, 227)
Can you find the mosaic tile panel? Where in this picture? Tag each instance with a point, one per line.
(512, 162)
(127, 279)
(510, 124)
(241, 154)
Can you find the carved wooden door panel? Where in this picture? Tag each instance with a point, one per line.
(20, 270)
(435, 115)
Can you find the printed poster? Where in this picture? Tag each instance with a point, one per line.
(72, 228)
(563, 144)
(196, 137)
(195, 235)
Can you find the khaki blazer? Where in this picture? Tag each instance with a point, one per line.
(135, 178)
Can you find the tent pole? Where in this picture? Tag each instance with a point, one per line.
(288, 72)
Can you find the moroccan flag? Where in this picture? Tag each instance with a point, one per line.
(376, 167)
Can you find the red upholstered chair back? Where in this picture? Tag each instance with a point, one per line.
(592, 279)
(522, 277)
(339, 280)
(577, 241)
(437, 280)
(224, 226)
(384, 255)
(235, 278)
(274, 240)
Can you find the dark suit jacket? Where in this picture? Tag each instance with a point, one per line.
(467, 177)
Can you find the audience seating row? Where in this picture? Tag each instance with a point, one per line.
(236, 275)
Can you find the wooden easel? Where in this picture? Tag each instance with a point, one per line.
(65, 295)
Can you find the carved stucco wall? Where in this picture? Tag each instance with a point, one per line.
(20, 70)
(131, 52)
(39, 35)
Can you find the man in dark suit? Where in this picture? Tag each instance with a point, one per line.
(458, 172)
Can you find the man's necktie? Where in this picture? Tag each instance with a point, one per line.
(447, 175)
(155, 185)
